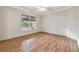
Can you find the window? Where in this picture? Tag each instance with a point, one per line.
(33, 22)
(28, 22)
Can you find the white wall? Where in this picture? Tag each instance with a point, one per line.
(72, 23)
(78, 25)
(64, 22)
(54, 23)
(2, 22)
(12, 23)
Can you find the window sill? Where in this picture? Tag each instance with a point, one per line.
(27, 29)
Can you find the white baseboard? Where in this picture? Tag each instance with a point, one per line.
(22, 34)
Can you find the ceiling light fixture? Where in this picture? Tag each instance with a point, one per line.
(42, 9)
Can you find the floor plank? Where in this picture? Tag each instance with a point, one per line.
(39, 42)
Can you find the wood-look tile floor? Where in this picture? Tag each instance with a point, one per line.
(39, 42)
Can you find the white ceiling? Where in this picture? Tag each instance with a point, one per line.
(34, 10)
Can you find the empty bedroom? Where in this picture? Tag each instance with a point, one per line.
(39, 29)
